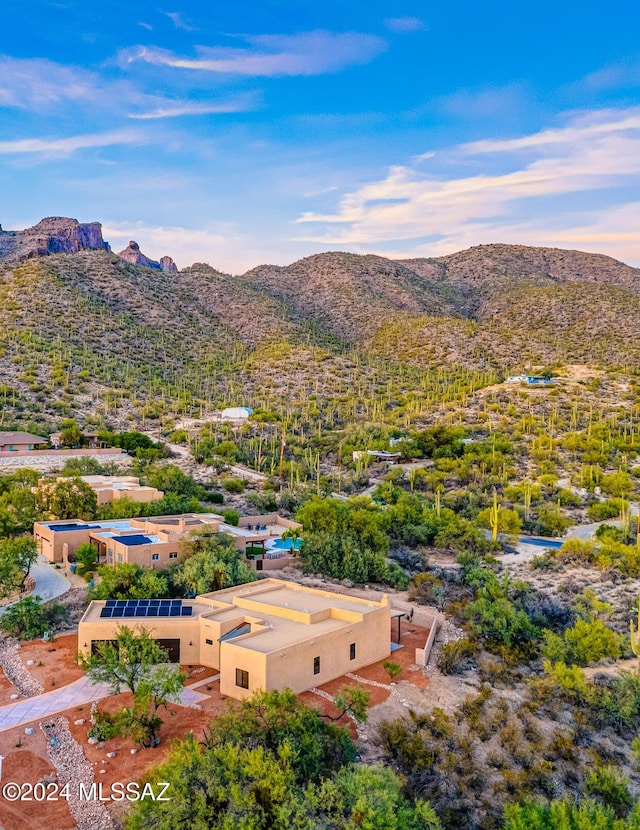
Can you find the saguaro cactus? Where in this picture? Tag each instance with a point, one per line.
(494, 516)
(634, 634)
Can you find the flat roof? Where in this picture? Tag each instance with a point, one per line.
(94, 609)
(277, 593)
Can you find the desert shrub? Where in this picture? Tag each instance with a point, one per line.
(608, 785)
(602, 510)
(233, 485)
(585, 643)
(456, 656)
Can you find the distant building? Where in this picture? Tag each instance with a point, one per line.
(236, 413)
(377, 455)
(153, 542)
(111, 488)
(20, 441)
(530, 380)
(266, 635)
(90, 440)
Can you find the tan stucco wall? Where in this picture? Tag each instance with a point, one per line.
(184, 629)
(51, 544)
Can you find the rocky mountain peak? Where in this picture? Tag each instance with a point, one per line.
(167, 264)
(52, 235)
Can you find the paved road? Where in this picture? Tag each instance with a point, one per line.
(74, 694)
(50, 583)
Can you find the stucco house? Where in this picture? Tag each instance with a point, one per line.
(270, 634)
(20, 441)
(153, 542)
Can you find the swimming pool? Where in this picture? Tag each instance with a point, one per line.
(284, 544)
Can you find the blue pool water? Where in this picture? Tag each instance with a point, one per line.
(287, 544)
(542, 543)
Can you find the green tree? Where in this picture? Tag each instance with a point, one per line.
(87, 557)
(506, 521)
(17, 556)
(141, 721)
(126, 663)
(210, 563)
(18, 510)
(585, 643)
(618, 484)
(67, 499)
(71, 435)
(567, 815)
(129, 581)
(29, 618)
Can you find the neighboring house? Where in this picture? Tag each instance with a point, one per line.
(90, 440)
(111, 488)
(377, 455)
(530, 380)
(236, 413)
(151, 542)
(20, 441)
(266, 635)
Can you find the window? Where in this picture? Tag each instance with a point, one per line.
(155, 557)
(316, 665)
(209, 642)
(110, 557)
(120, 558)
(352, 651)
(173, 554)
(242, 678)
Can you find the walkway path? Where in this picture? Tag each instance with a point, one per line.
(78, 693)
(50, 583)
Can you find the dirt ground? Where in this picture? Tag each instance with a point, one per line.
(30, 763)
(58, 666)
(58, 661)
(26, 755)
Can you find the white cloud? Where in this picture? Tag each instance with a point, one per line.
(537, 195)
(177, 109)
(403, 25)
(39, 84)
(178, 21)
(67, 146)
(308, 53)
(221, 246)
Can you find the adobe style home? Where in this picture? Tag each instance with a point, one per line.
(90, 439)
(111, 488)
(153, 542)
(270, 634)
(20, 441)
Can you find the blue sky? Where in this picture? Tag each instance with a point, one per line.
(255, 131)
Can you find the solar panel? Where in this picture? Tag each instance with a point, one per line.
(145, 608)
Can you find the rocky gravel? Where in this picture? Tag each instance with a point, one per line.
(66, 755)
(16, 671)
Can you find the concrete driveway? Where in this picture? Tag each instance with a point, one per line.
(50, 583)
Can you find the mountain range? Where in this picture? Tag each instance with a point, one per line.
(89, 333)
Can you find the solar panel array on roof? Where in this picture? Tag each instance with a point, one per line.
(145, 608)
(134, 539)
